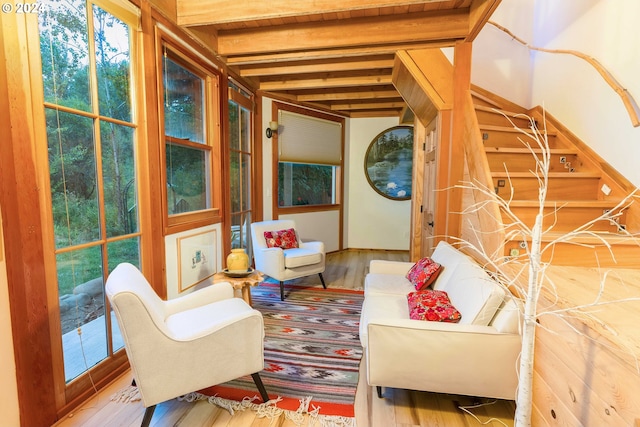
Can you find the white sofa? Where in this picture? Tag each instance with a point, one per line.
(476, 357)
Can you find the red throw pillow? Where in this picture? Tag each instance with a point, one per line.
(285, 239)
(432, 305)
(424, 273)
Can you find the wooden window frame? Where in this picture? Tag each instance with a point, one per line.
(174, 223)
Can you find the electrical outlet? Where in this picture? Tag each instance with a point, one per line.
(502, 183)
(563, 159)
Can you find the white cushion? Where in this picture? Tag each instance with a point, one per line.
(299, 257)
(201, 321)
(474, 293)
(387, 284)
(507, 318)
(381, 306)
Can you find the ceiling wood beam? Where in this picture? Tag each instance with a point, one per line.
(479, 14)
(328, 82)
(266, 58)
(340, 96)
(357, 64)
(204, 12)
(368, 31)
(369, 105)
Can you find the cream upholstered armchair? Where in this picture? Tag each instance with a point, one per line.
(286, 263)
(175, 347)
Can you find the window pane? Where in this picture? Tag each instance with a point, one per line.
(81, 293)
(64, 52)
(187, 183)
(234, 127)
(240, 231)
(112, 64)
(183, 102)
(234, 184)
(246, 181)
(119, 179)
(72, 171)
(245, 129)
(302, 184)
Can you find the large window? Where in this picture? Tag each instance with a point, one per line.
(188, 95)
(309, 153)
(91, 130)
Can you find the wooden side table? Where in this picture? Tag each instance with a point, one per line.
(242, 283)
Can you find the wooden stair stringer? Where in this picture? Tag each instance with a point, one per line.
(575, 194)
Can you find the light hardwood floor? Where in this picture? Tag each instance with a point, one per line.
(397, 408)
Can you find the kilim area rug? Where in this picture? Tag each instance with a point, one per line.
(312, 351)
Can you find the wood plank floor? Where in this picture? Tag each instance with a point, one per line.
(397, 408)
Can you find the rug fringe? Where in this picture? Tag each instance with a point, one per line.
(271, 411)
(126, 395)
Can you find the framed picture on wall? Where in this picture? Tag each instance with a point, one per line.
(388, 163)
(196, 258)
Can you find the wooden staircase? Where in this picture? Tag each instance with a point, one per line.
(581, 187)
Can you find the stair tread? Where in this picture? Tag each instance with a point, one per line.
(513, 129)
(529, 174)
(565, 203)
(500, 111)
(595, 237)
(510, 150)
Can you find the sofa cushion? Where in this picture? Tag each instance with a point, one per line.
(474, 293)
(299, 257)
(424, 273)
(432, 305)
(381, 306)
(285, 239)
(387, 284)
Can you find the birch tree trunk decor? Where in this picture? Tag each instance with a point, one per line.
(525, 275)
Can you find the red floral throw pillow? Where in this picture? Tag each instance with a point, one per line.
(424, 273)
(432, 305)
(285, 239)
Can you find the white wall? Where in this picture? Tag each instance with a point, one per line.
(180, 273)
(373, 222)
(566, 86)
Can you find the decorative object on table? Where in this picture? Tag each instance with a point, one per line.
(196, 258)
(389, 161)
(312, 353)
(238, 261)
(237, 273)
(290, 257)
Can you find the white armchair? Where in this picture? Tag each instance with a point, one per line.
(175, 347)
(286, 264)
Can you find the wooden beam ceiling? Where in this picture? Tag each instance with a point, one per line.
(336, 54)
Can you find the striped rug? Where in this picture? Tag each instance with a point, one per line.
(311, 347)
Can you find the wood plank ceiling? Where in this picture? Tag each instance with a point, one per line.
(335, 55)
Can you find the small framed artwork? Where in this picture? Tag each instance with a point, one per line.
(388, 164)
(196, 258)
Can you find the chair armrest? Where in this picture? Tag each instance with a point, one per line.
(390, 267)
(314, 246)
(269, 261)
(204, 296)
